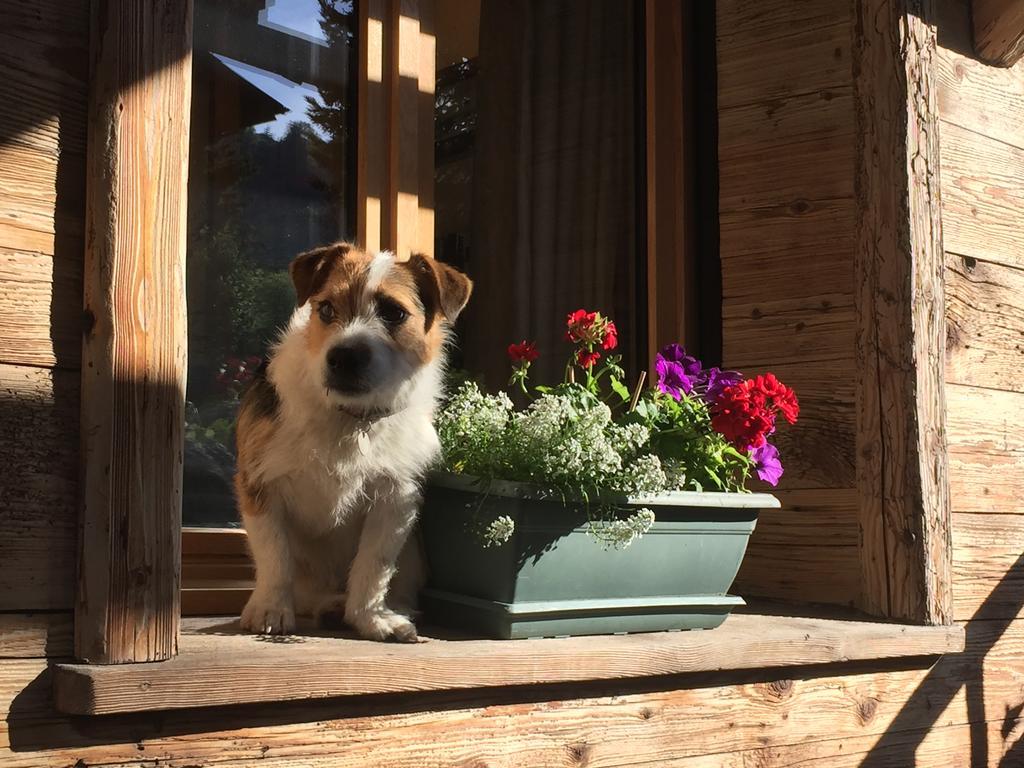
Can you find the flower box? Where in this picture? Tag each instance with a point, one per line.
(551, 579)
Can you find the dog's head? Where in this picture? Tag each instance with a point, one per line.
(374, 321)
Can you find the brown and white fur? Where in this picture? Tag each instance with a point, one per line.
(333, 441)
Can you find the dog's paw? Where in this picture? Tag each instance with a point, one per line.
(383, 625)
(265, 615)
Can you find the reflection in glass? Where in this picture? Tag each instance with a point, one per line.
(271, 174)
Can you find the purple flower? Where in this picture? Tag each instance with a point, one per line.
(767, 464)
(672, 379)
(676, 353)
(714, 380)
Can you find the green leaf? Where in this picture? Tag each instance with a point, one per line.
(619, 388)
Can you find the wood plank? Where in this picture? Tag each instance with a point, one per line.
(983, 99)
(998, 31)
(38, 487)
(133, 360)
(402, 83)
(35, 635)
(982, 196)
(798, 172)
(752, 68)
(40, 306)
(607, 725)
(787, 331)
(43, 89)
(774, 19)
(986, 450)
(984, 324)
(988, 566)
(901, 467)
(328, 667)
(771, 125)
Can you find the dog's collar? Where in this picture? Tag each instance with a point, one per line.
(367, 416)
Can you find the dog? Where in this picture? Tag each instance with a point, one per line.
(335, 436)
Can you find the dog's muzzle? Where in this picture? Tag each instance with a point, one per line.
(348, 367)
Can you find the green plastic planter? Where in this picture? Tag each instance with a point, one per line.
(555, 579)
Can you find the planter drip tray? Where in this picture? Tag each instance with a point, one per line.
(558, 618)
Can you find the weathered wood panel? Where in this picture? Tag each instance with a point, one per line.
(654, 726)
(901, 467)
(986, 450)
(986, 100)
(35, 635)
(988, 567)
(984, 324)
(982, 196)
(38, 487)
(133, 358)
(40, 306)
(818, 531)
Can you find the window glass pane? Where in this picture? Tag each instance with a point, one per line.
(538, 170)
(271, 173)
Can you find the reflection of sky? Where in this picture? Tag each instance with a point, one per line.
(300, 18)
(291, 96)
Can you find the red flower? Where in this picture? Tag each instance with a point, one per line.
(587, 359)
(745, 413)
(579, 322)
(525, 351)
(611, 336)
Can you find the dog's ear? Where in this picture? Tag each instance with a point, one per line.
(442, 288)
(310, 269)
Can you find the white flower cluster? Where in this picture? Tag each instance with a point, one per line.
(644, 474)
(621, 532)
(499, 531)
(471, 427)
(559, 444)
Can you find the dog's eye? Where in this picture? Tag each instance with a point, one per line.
(326, 311)
(391, 312)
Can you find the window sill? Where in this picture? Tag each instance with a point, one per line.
(218, 666)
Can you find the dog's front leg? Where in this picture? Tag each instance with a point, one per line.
(271, 607)
(387, 526)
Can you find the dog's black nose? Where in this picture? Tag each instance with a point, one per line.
(351, 356)
(347, 364)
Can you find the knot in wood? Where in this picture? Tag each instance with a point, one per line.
(866, 710)
(778, 690)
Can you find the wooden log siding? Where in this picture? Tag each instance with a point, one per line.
(133, 358)
(901, 452)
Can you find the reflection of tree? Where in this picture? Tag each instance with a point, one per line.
(333, 114)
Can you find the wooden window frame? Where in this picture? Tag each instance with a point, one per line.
(128, 605)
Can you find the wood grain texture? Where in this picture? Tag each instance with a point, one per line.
(329, 667)
(984, 324)
(998, 31)
(38, 487)
(984, 99)
(40, 312)
(36, 635)
(901, 454)
(986, 450)
(599, 725)
(988, 567)
(982, 196)
(133, 359)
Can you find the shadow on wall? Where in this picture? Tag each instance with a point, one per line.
(42, 124)
(928, 702)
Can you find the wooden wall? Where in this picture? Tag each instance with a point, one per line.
(787, 156)
(787, 125)
(43, 90)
